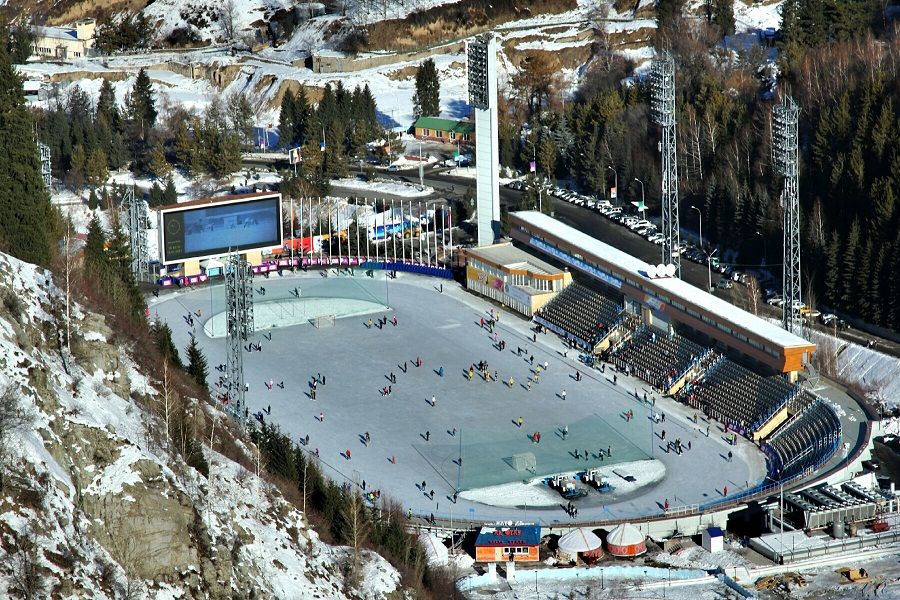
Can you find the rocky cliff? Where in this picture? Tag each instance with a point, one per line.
(92, 503)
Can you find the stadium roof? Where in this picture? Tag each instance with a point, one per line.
(678, 289)
(507, 255)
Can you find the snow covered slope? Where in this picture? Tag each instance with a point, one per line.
(93, 506)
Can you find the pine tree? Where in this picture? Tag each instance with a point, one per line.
(107, 106)
(142, 105)
(197, 367)
(154, 198)
(77, 168)
(723, 16)
(92, 200)
(286, 119)
(95, 245)
(26, 217)
(159, 166)
(163, 336)
(832, 270)
(97, 167)
(170, 194)
(302, 118)
(848, 271)
(427, 99)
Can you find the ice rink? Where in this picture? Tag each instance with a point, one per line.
(413, 440)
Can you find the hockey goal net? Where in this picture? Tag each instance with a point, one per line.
(324, 321)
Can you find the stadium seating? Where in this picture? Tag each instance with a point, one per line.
(804, 442)
(732, 394)
(657, 358)
(583, 313)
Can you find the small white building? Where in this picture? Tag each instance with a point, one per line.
(66, 42)
(713, 539)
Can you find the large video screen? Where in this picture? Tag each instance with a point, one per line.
(216, 229)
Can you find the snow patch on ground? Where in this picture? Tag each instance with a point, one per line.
(750, 15)
(697, 558)
(405, 190)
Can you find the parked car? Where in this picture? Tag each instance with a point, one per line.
(639, 223)
(724, 284)
(775, 300)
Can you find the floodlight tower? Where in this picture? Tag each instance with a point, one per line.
(784, 123)
(662, 112)
(239, 322)
(137, 234)
(482, 71)
(46, 173)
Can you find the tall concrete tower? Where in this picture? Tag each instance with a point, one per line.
(482, 64)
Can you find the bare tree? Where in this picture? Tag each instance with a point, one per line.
(599, 20)
(13, 418)
(167, 401)
(752, 291)
(356, 528)
(227, 15)
(27, 571)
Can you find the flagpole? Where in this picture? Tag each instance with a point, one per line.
(292, 230)
(450, 229)
(368, 238)
(427, 243)
(393, 237)
(421, 256)
(402, 231)
(330, 237)
(319, 218)
(339, 236)
(357, 231)
(375, 230)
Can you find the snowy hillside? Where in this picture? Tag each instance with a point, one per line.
(92, 505)
(211, 19)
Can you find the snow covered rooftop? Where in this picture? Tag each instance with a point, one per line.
(507, 255)
(676, 289)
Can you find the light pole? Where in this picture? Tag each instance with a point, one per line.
(421, 167)
(708, 255)
(616, 182)
(643, 204)
(765, 248)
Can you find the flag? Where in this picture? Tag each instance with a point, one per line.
(532, 166)
(322, 146)
(613, 192)
(294, 156)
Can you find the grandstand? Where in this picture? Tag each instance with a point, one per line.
(583, 315)
(660, 359)
(804, 442)
(749, 403)
(664, 302)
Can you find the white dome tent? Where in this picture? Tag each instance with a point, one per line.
(626, 541)
(580, 541)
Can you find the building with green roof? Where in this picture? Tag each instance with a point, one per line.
(449, 131)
